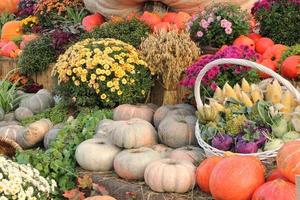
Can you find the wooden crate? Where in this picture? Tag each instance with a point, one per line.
(44, 78)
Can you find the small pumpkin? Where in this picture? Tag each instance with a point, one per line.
(162, 149)
(275, 190)
(163, 111)
(50, 136)
(8, 48)
(236, 178)
(90, 22)
(131, 164)
(38, 102)
(11, 30)
(276, 174)
(34, 133)
(188, 153)
(96, 154)
(127, 111)
(133, 133)
(150, 18)
(169, 175)
(12, 132)
(177, 130)
(22, 113)
(104, 128)
(204, 170)
(100, 198)
(10, 6)
(288, 160)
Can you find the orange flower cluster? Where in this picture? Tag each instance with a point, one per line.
(59, 6)
(19, 78)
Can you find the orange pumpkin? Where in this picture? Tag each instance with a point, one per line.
(269, 64)
(254, 36)
(236, 178)
(204, 170)
(288, 160)
(181, 19)
(100, 198)
(90, 22)
(276, 174)
(263, 44)
(8, 49)
(274, 52)
(150, 18)
(290, 67)
(164, 26)
(10, 6)
(244, 40)
(11, 30)
(275, 190)
(169, 17)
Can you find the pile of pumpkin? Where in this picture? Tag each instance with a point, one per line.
(270, 55)
(129, 145)
(242, 177)
(31, 135)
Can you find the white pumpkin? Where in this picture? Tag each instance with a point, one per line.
(170, 175)
(50, 136)
(96, 154)
(177, 130)
(22, 113)
(133, 133)
(131, 164)
(104, 128)
(162, 149)
(127, 111)
(163, 111)
(188, 153)
(38, 102)
(34, 133)
(12, 132)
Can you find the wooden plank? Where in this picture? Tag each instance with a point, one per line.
(46, 79)
(6, 65)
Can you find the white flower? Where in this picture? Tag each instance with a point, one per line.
(3, 198)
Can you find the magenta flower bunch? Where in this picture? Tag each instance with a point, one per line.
(219, 75)
(218, 25)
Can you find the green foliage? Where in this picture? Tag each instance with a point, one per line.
(293, 50)
(73, 16)
(8, 95)
(207, 30)
(58, 162)
(5, 17)
(36, 56)
(57, 114)
(280, 22)
(129, 31)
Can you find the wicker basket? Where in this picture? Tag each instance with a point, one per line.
(209, 150)
(8, 147)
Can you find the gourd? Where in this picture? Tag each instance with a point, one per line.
(188, 153)
(169, 175)
(12, 132)
(9, 6)
(204, 170)
(133, 133)
(96, 154)
(50, 136)
(11, 30)
(162, 149)
(163, 111)
(236, 178)
(2, 114)
(288, 160)
(22, 113)
(100, 198)
(127, 111)
(131, 164)
(277, 189)
(104, 128)
(177, 130)
(38, 102)
(34, 133)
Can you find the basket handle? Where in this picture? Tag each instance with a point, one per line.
(245, 63)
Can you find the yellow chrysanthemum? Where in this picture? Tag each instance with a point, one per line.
(103, 96)
(93, 76)
(102, 78)
(83, 79)
(124, 81)
(119, 92)
(109, 84)
(98, 71)
(112, 89)
(69, 72)
(143, 92)
(107, 72)
(77, 82)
